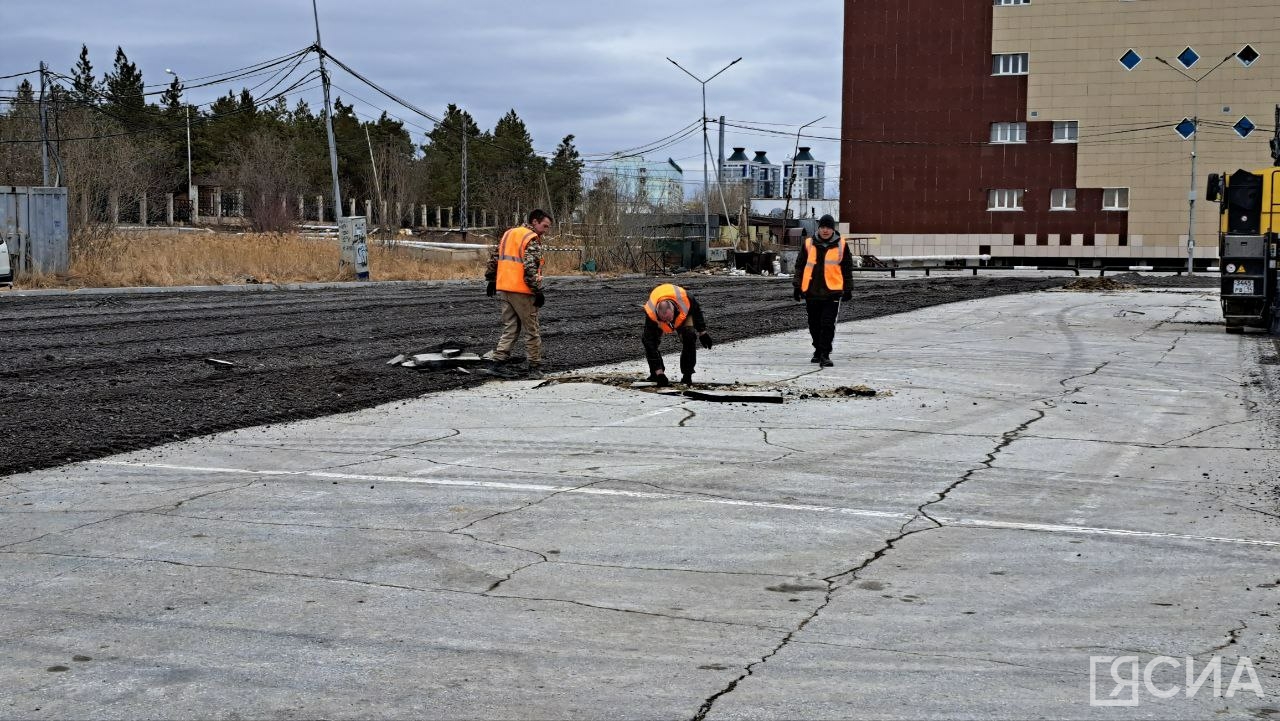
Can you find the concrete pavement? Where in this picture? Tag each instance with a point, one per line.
(1041, 479)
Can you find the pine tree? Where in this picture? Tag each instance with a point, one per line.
(172, 97)
(26, 94)
(84, 87)
(124, 84)
(564, 176)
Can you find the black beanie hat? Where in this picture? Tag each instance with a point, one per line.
(827, 221)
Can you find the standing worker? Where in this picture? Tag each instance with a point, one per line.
(672, 310)
(515, 270)
(822, 290)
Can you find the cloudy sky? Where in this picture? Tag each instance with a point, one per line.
(593, 68)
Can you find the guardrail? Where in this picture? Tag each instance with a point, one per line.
(893, 271)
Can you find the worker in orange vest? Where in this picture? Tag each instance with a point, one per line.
(823, 277)
(515, 270)
(671, 309)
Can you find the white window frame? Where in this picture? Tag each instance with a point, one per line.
(1012, 2)
(1070, 131)
(1062, 199)
(1008, 133)
(1115, 198)
(1004, 199)
(1010, 63)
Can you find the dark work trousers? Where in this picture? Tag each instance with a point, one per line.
(688, 354)
(822, 322)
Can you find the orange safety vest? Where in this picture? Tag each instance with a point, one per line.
(667, 291)
(830, 267)
(511, 251)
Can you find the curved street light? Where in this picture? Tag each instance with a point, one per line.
(706, 183)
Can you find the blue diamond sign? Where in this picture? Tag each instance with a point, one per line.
(1186, 128)
(1130, 59)
(1188, 57)
(1243, 127)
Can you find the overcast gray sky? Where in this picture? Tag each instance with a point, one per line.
(593, 68)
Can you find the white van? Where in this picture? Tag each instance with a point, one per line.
(6, 272)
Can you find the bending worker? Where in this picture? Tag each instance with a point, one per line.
(672, 310)
(515, 270)
(823, 277)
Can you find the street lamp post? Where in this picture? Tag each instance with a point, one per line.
(791, 181)
(187, 108)
(1195, 137)
(706, 183)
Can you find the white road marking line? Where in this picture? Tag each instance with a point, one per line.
(648, 495)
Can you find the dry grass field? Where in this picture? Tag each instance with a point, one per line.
(122, 259)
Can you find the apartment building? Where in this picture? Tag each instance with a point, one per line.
(1051, 130)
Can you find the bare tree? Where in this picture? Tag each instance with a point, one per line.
(268, 170)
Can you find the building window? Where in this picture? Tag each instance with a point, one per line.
(1115, 198)
(1066, 131)
(1008, 132)
(1004, 199)
(1009, 64)
(1062, 199)
(1012, 2)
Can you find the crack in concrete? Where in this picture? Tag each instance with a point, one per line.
(513, 572)
(832, 586)
(1213, 427)
(844, 578)
(1233, 637)
(686, 419)
(15, 487)
(455, 432)
(140, 511)
(392, 586)
(768, 442)
(752, 574)
(523, 506)
(1255, 510)
(942, 655)
(1096, 369)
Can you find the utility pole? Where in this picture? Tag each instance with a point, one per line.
(1195, 137)
(377, 184)
(706, 148)
(44, 128)
(463, 209)
(720, 159)
(328, 120)
(191, 191)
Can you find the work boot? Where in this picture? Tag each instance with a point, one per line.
(660, 379)
(825, 362)
(687, 379)
(532, 371)
(817, 357)
(493, 356)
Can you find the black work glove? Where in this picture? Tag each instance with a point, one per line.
(706, 341)
(539, 299)
(795, 293)
(846, 295)
(491, 289)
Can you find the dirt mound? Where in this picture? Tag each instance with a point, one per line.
(1096, 284)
